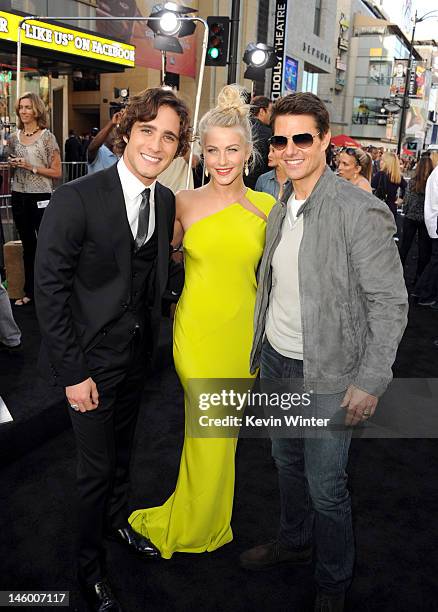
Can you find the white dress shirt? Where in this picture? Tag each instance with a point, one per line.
(132, 190)
(431, 204)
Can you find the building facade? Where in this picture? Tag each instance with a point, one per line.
(303, 34)
(371, 63)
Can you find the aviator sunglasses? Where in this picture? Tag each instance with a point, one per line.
(301, 141)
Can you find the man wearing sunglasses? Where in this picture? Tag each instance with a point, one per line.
(331, 309)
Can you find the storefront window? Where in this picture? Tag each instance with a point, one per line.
(317, 18)
(310, 82)
(380, 73)
(60, 7)
(31, 7)
(367, 111)
(88, 82)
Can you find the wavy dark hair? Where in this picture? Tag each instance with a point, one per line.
(303, 103)
(422, 173)
(144, 107)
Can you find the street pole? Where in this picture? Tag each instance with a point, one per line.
(401, 131)
(163, 68)
(234, 40)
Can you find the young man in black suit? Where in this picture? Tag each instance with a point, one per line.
(101, 269)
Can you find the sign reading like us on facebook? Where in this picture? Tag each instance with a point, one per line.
(58, 38)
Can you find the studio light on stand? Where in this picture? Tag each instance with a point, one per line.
(258, 57)
(168, 28)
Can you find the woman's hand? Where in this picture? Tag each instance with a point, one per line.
(16, 162)
(20, 162)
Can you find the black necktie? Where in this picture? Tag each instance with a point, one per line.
(143, 219)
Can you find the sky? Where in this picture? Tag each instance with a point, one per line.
(425, 30)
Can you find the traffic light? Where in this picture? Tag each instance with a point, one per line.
(218, 36)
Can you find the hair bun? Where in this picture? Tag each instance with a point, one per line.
(232, 97)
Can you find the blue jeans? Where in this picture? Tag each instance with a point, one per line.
(314, 498)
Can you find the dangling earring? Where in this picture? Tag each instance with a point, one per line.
(206, 172)
(246, 169)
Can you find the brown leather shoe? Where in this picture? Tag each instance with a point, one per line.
(271, 554)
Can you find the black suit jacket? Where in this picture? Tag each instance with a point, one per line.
(73, 149)
(83, 269)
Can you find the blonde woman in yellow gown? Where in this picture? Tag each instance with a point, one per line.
(222, 229)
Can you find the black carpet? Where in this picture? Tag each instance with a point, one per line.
(395, 503)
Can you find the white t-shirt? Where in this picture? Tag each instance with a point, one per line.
(283, 321)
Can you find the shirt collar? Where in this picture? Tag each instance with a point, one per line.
(131, 185)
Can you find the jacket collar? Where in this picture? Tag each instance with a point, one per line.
(326, 179)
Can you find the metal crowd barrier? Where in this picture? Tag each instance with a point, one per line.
(70, 171)
(7, 229)
(73, 170)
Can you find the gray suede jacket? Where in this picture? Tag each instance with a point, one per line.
(353, 297)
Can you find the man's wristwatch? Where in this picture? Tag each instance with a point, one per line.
(35, 170)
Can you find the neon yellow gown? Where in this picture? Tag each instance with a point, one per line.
(212, 339)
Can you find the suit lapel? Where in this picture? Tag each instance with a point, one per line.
(112, 203)
(113, 207)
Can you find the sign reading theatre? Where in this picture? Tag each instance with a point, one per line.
(279, 44)
(58, 38)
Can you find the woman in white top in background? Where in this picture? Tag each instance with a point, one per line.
(36, 162)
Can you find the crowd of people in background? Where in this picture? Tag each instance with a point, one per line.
(402, 182)
(76, 147)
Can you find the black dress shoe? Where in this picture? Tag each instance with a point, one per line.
(136, 542)
(99, 596)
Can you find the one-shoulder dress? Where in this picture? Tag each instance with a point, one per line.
(213, 332)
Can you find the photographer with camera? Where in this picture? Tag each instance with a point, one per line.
(100, 153)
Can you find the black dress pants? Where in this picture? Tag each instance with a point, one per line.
(27, 218)
(410, 228)
(427, 285)
(104, 438)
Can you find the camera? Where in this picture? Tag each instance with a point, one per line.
(115, 107)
